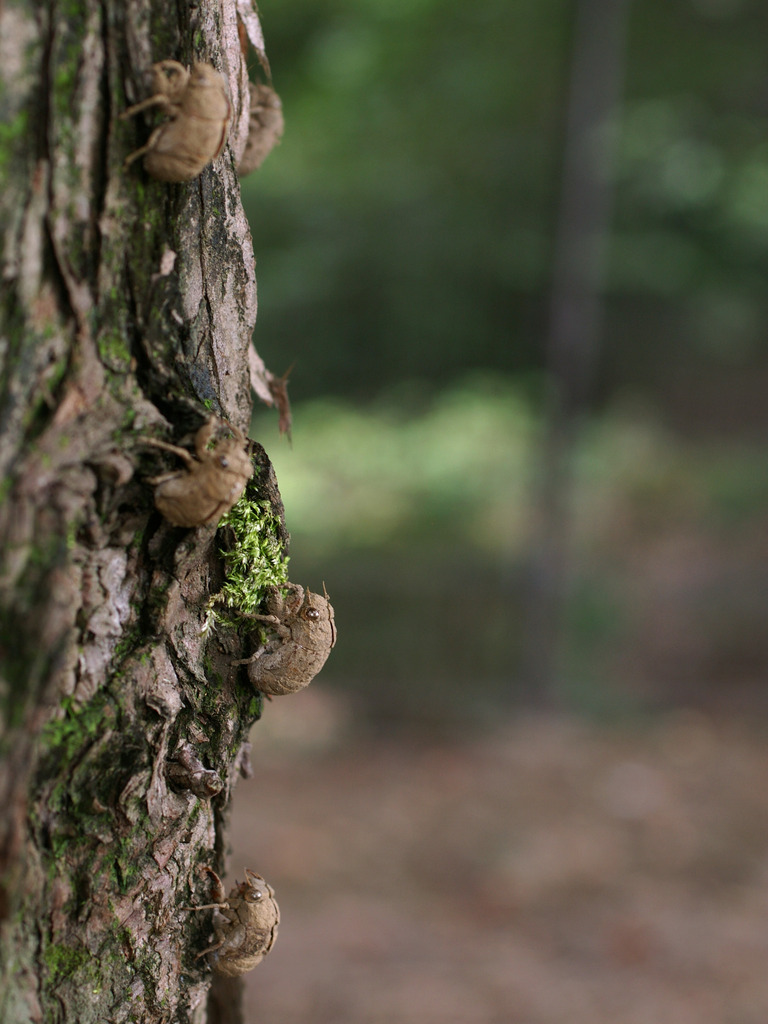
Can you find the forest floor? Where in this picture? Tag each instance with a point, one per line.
(548, 871)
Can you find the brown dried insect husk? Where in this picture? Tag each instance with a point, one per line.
(265, 127)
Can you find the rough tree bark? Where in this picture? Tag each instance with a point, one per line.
(127, 309)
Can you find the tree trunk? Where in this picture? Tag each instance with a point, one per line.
(598, 52)
(126, 311)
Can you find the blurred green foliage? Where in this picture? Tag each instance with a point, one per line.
(421, 523)
(459, 473)
(456, 470)
(404, 234)
(404, 227)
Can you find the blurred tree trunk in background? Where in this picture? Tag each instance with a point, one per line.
(127, 309)
(576, 311)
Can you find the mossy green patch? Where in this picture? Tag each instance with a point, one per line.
(125, 872)
(78, 726)
(255, 707)
(63, 961)
(12, 133)
(115, 350)
(255, 561)
(211, 694)
(72, 747)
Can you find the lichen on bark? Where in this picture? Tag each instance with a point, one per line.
(127, 308)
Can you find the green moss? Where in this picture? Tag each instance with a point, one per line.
(115, 350)
(210, 697)
(255, 561)
(255, 707)
(63, 961)
(124, 873)
(71, 535)
(82, 978)
(12, 133)
(214, 678)
(131, 639)
(139, 190)
(13, 130)
(64, 79)
(67, 734)
(65, 741)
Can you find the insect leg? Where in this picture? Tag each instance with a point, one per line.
(159, 99)
(155, 442)
(144, 149)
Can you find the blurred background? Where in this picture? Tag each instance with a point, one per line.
(514, 256)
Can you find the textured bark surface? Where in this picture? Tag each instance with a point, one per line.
(127, 308)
